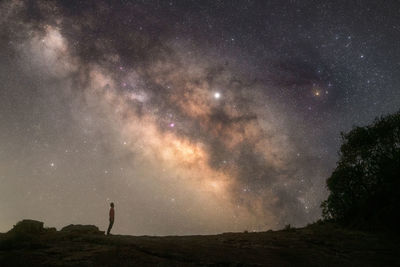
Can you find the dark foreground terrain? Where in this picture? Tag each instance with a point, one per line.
(29, 244)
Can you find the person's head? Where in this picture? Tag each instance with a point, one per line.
(112, 204)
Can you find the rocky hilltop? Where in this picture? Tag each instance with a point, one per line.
(320, 244)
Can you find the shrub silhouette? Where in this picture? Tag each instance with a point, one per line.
(364, 187)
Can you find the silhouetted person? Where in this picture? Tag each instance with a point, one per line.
(111, 218)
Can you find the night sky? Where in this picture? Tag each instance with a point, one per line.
(193, 117)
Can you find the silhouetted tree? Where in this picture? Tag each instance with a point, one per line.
(364, 187)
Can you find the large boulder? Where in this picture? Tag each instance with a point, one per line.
(82, 229)
(28, 227)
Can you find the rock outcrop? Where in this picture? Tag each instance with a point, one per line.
(28, 227)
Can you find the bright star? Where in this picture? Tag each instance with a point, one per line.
(217, 95)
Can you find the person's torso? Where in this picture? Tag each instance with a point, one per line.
(112, 213)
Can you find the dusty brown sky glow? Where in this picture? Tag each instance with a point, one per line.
(191, 121)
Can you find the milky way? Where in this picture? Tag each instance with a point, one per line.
(193, 117)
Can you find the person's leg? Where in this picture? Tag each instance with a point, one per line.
(110, 226)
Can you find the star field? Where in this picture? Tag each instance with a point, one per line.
(193, 117)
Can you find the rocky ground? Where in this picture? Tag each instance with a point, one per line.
(29, 244)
